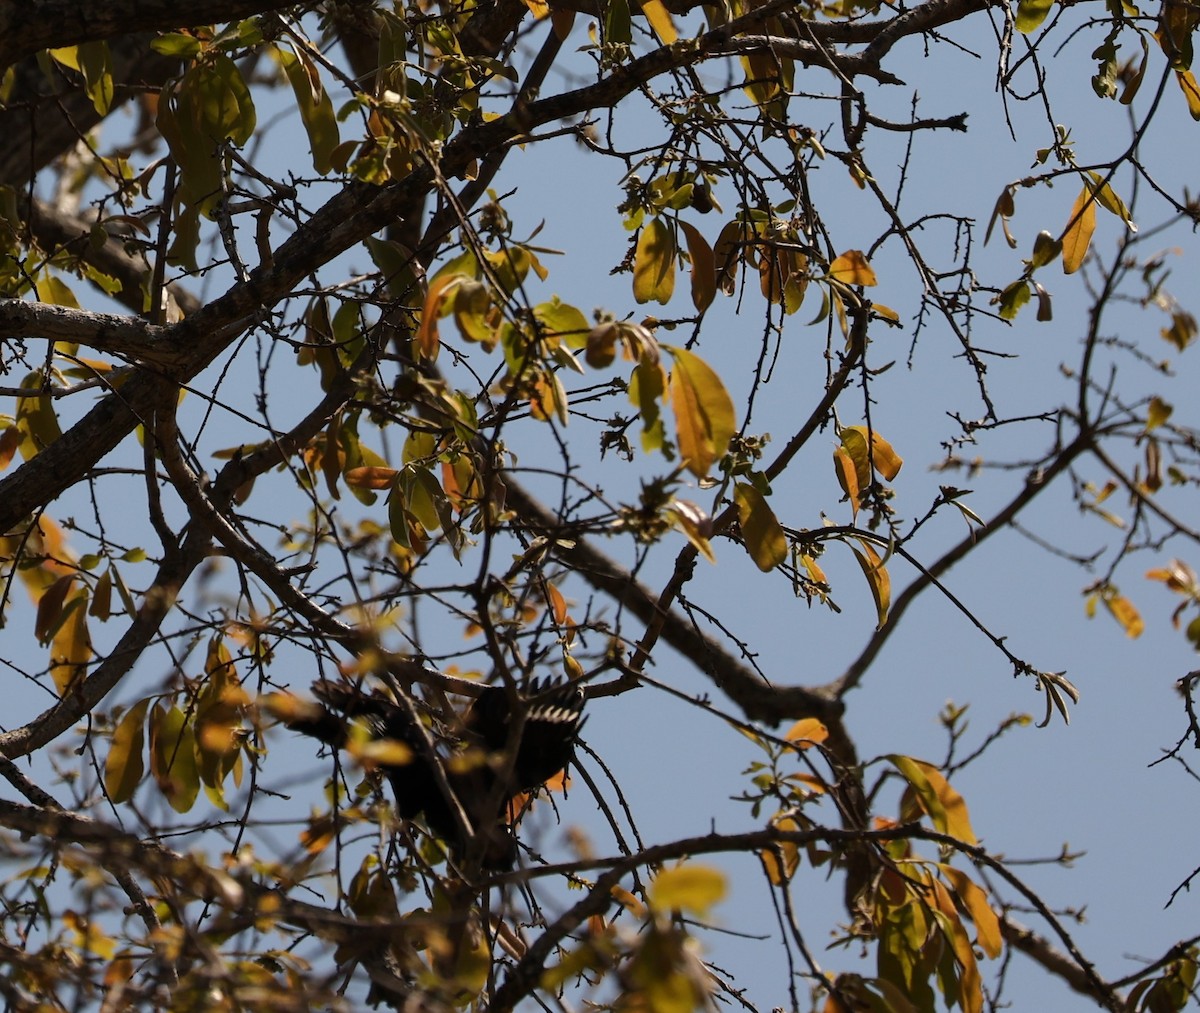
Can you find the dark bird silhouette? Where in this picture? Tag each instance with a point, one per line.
(504, 745)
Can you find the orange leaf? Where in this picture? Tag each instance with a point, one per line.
(807, 732)
(877, 577)
(704, 269)
(371, 477)
(851, 268)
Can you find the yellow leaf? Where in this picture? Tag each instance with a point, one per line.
(807, 732)
(788, 851)
(1080, 227)
(1125, 613)
(847, 475)
(877, 577)
(71, 647)
(124, 767)
(660, 20)
(970, 985)
(1157, 413)
(882, 456)
(974, 899)
(761, 531)
(687, 887)
(654, 263)
(814, 571)
(381, 752)
(1191, 91)
(944, 806)
(851, 268)
(704, 417)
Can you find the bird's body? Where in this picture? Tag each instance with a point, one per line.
(505, 744)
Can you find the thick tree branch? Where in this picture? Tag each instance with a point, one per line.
(26, 27)
(129, 338)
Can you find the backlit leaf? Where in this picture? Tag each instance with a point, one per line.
(173, 757)
(371, 477)
(1157, 412)
(1080, 227)
(316, 108)
(878, 579)
(1126, 614)
(1031, 13)
(660, 20)
(618, 28)
(71, 647)
(704, 416)
(654, 263)
(36, 419)
(847, 475)
(687, 887)
(694, 523)
(1191, 91)
(704, 271)
(851, 268)
(1107, 198)
(882, 457)
(807, 732)
(1013, 298)
(761, 531)
(941, 803)
(441, 288)
(125, 764)
(974, 899)
(787, 851)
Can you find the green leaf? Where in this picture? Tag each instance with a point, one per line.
(1031, 13)
(316, 108)
(1013, 298)
(563, 322)
(36, 419)
(176, 44)
(618, 26)
(173, 757)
